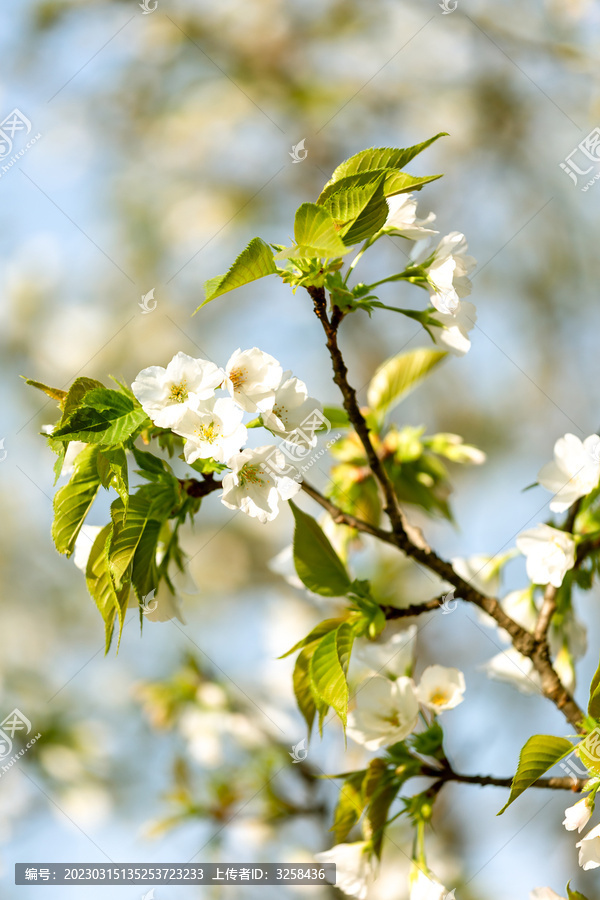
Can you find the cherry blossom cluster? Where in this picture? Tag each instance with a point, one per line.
(205, 405)
(447, 269)
(388, 706)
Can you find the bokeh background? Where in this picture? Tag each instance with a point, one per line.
(165, 146)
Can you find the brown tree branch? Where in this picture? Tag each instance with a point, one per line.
(195, 488)
(535, 649)
(559, 783)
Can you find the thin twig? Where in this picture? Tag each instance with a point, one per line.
(524, 642)
(558, 783)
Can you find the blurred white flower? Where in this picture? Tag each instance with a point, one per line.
(448, 271)
(283, 564)
(258, 481)
(544, 893)
(393, 657)
(402, 218)
(74, 448)
(426, 887)
(213, 430)
(354, 871)
(203, 732)
(86, 803)
(512, 668)
(578, 815)
(291, 409)
(165, 394)
(252, 378)
(386, 712)
(589, 849)
(164, 605)
(480, 571)
(211, 695)
(574, 471)
(550, 554)
(568, 643)
(454, 335)
(440, 688)
(521, 607)
(83, 545)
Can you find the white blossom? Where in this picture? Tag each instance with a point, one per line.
(454, 335)
(426, 887)
(568, 643)
(402, 218)
(441, 688)
(83, 545)
(589, 849)
(574, 471)
(165, 394)
(354, 871)
(292, 409)
(213, 430)
(550, 554)
(252, 377)
(521, 607)
(513, 668)
(161, 605)
(448, 272)
(74, 448)
(386, 712)
(258, 481)
(578, 815)
(544, 893)
(391, 658)
(480, 571)
(209, 732)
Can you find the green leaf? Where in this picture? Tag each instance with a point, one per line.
(316, 634)
(398, 376)
(303, 691)
(254, 262)
(101, 586)
(344, 641)
(375, 772)
(144, 573)
(574, 895)
(358, 212)
(349, 807)
(380, 158)
(55, 393)
(383, 793)
(104, 416)
(73, 501)
(539, 754)
(152, 468)
(112, 470)
(128, 527)
(393, 183)
(328, 669)
(594, 702)
(429, 742)
(75, 394)
(337, 417)
(317, 564)
(315, 234)
(401, 183)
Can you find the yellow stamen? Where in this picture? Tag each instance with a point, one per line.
(251, 475)
(179, 392)
(238, 376)
(439, 698)
(208, 433)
